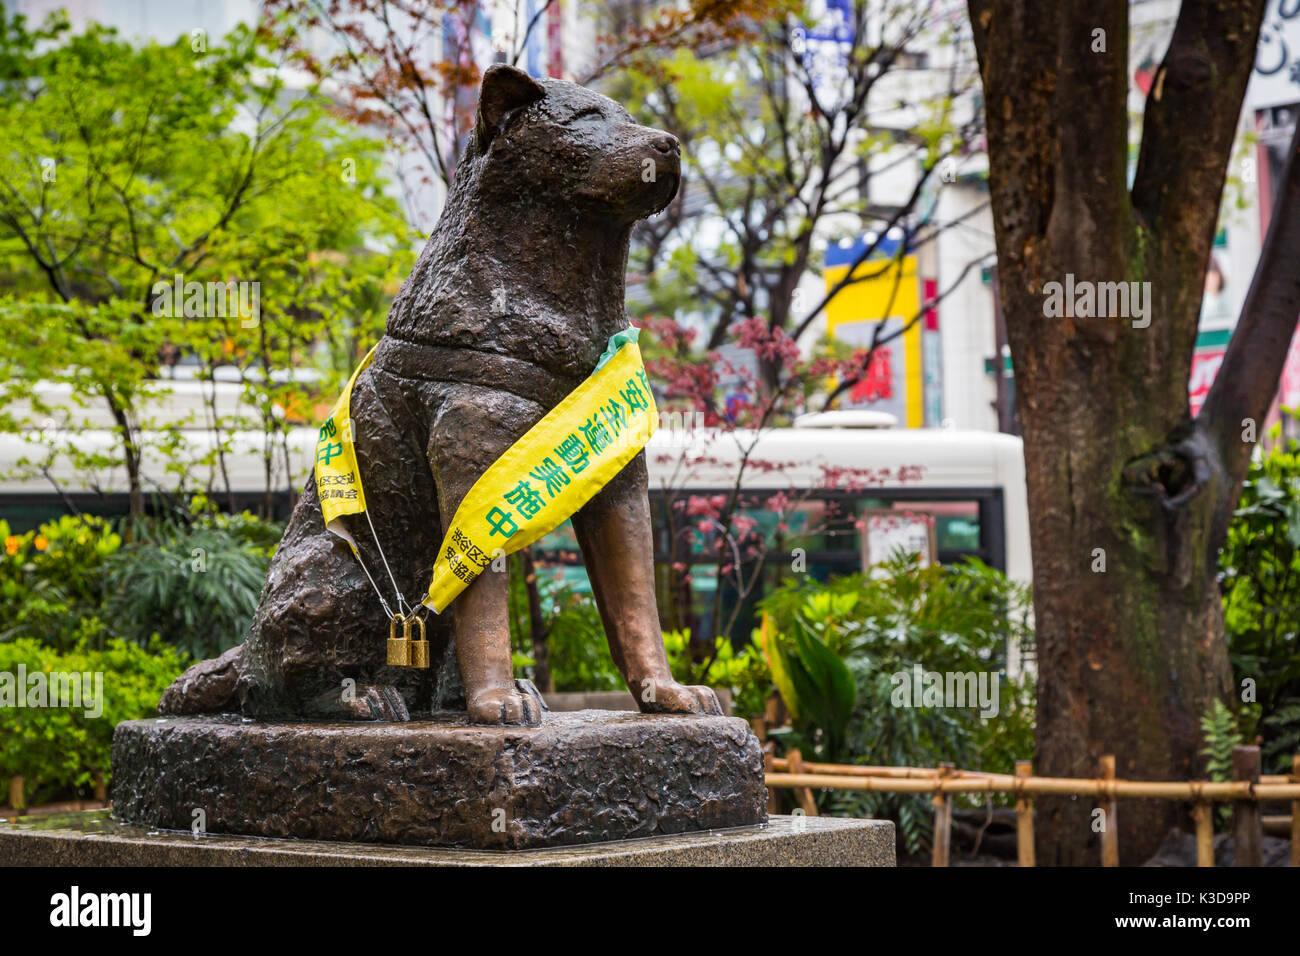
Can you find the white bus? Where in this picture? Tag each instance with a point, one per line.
(971, 483)
(963, 491)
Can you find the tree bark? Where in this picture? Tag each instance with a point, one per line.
(130, 456)
(1128, 497)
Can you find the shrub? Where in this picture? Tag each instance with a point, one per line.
(51, 581)
(1259, 576)
(579, 657)
(196, 585)
(56, 749)
(743, 672)
(869, 629)
(578, 654)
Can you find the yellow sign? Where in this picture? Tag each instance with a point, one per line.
(338, 478)
(552, 471)
(881, 298)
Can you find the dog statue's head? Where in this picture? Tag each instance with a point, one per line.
(552, 142)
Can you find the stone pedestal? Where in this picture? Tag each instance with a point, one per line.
(579, 778)
(93, 838)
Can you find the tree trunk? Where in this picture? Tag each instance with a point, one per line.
(1128, 497)
(1128, 656)
(130, 458)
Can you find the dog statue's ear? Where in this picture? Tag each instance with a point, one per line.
(504, 90)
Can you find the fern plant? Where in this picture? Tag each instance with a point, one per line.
(1220, 732)
(196, 586)
(1283, 733)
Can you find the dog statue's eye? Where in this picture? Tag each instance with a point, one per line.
(591, 114)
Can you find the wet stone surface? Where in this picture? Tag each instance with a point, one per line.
(582, 777)
(94, 838)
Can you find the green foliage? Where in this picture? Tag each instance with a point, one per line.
(1259, 575)
(943, 618)
(817, 685)
(1220, 732)
(127, 166)
(51, 581)
(579, 658)
(193, 580)
(196, 584)
(76, 600)
(56, 749)
(742, 672)
(1281, 729)
(578, 653)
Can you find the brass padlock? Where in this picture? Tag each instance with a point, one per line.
(419, 648)
(399, 648)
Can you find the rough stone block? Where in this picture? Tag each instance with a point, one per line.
(582, 777)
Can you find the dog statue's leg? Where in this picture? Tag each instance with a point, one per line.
(472, 429)
(482, 630)
(617, 544)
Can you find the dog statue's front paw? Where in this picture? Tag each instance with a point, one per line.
(504, 705)
(670, 697)
(375, 702)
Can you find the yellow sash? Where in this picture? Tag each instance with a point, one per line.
(537, 483)
(338, 478)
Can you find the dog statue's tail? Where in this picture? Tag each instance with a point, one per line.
(209, 687)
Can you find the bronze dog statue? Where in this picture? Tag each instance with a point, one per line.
(508, 309)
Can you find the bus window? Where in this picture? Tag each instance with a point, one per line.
(561, 539)
(958, 526)
(571, 577)
(956, 523)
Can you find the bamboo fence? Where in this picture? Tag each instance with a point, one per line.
(1246, 792)
(18, 801)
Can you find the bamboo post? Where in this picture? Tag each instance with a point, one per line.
(774, 710)
(941, 843)
(101, 791)
(1024, 818)
(1247, 823)
(769, 766)
(16, 793)
(1295, 813)
(1110, 820)
(1203, 814)
(802, 794)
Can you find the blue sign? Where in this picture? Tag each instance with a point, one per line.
(823, 46)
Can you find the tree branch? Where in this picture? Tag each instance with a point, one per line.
(1199, 81)
(1248, 378)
